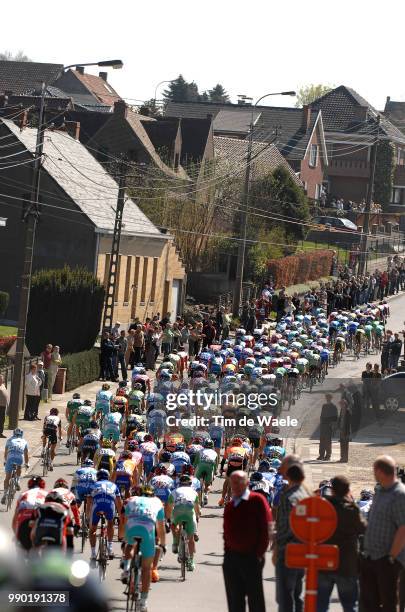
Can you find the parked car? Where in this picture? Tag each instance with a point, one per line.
(337, 223)
(393, 392)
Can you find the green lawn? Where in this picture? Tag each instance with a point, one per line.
(7, 331)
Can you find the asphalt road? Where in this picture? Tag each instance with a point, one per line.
(204, 588)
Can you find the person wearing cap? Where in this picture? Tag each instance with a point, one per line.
(350, 526)
(56, 360)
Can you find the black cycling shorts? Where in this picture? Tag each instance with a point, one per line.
(24, 534)
(51, 434)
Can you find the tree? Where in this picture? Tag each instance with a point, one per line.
(218, 94)
(384, 173)
(309, 93)
(65, 309)
(20, 56)
(180, 90)
(150, 109)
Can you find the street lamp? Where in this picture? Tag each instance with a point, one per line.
(31, 219)
(237, 293)
(157, 87)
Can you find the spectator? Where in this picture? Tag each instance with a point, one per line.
(288, 580)
(247, 528)
(106, 355)
(115, 332)
(130, 347)
(329, 417)
(227, 324)
(121, 344)
(350, 525)
(344, 430)
(384, 541)
(395, 352)
(367, 377)
(42, 376)
(4, 402)
(376, 390)
(138, 345)
(167, 339)
(53, 370)
(176, 336)
(46, 357)
(165, 320)
(32, 394)
(209, 333)
(220, 321)
(152, 337)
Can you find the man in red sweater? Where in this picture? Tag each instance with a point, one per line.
(248, 525)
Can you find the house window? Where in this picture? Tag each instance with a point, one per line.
(313, 155)
(401, 157)
(398, 196)
(144, 279)
(154, 276)
(127, 280)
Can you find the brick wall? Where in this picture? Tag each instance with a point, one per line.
(309, 175)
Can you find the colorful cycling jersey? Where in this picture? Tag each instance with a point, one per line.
(27, 503)
(135, 398)
(125, 466)
(90, 442)
(255, 432)
(149, 451)
(235, 455)
(143, 510)
(179, 459)
(207, 455)
(215, 365)
(216, 431)
(15, 448)
(73, 406)
(104, 492)
(103, 401)
(184, 496)
(51, 422)
(162, 486)
(193, 449)
(136, 457)
(83, 478)
(274, 452)
(104, 457)
(84, 415)
(156, 420)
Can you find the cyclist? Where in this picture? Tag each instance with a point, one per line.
(144, 517)
(161, 483)
(52, 524)
(70, 503)
(255, 433)
(52, 429)
(194, 448)
(156, 420)
(104, 457)
(25, 510)
(125, 474)
(104, 499)
(73, 406)
(103, 400)
(217, 436)
(15, 454)
(136, 399)
(180, 458)
(83, 417)
(183, 506)
(90, 442)
(205, 467)
(112, 426)
(149, 451)
(273, 448)
(237, 457)
(83, 480)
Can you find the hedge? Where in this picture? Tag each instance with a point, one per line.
(81, 367)
(6, 342)
(301, 267)
(4, 300)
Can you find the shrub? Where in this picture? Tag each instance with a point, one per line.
(4, 300)
(300, 268)
(82, 368)
(65, 309)
(6, 343)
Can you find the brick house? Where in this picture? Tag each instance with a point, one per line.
(92, 92)
(350, 124)
(300, 136)
(77, 219)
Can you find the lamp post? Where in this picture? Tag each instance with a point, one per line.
(30, 218)
(237, 293)
(157, 87)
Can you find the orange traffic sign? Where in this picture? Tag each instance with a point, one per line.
(320, 556)
(313, 519)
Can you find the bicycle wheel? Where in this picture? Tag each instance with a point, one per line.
(11, 492)
(46, 462)
(102, 559)
(84, 530)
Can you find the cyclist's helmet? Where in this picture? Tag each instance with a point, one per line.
(208, 444)
(18, 433)
(54, 496)
(36, 481)
(133, 445)
(180, 447)
(103, 475)
(188, 470)
(107, 444)
(88, 462)
(148, 438)
(264, 466)
(54, 411)
(76, 396)
(87, 402)
(122, 384)
(142, 491)
(105, 387)
(165, 456)
(137, 387)
(237, 442)
(160, 469)
(275, 463)
(366, 494)
(185, 480)
(61, 482)
(256, 476)
(93, 425)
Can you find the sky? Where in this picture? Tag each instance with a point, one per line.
(251, 48)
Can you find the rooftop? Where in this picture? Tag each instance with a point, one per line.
(25, 77)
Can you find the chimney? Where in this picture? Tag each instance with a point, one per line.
(103, 75)
(209, 116)
(73, 129)
(388, 99)
(80, 69)
(121, 108)
(306, 117)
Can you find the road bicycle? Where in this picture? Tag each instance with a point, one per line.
(133, 590)
(47, 462)
(12, 487)
(72, 440)
(184, 553)
(84, 527)
(102, 553)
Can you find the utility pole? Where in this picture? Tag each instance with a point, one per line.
(115, 250)
(30, 218)
(369, 199)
